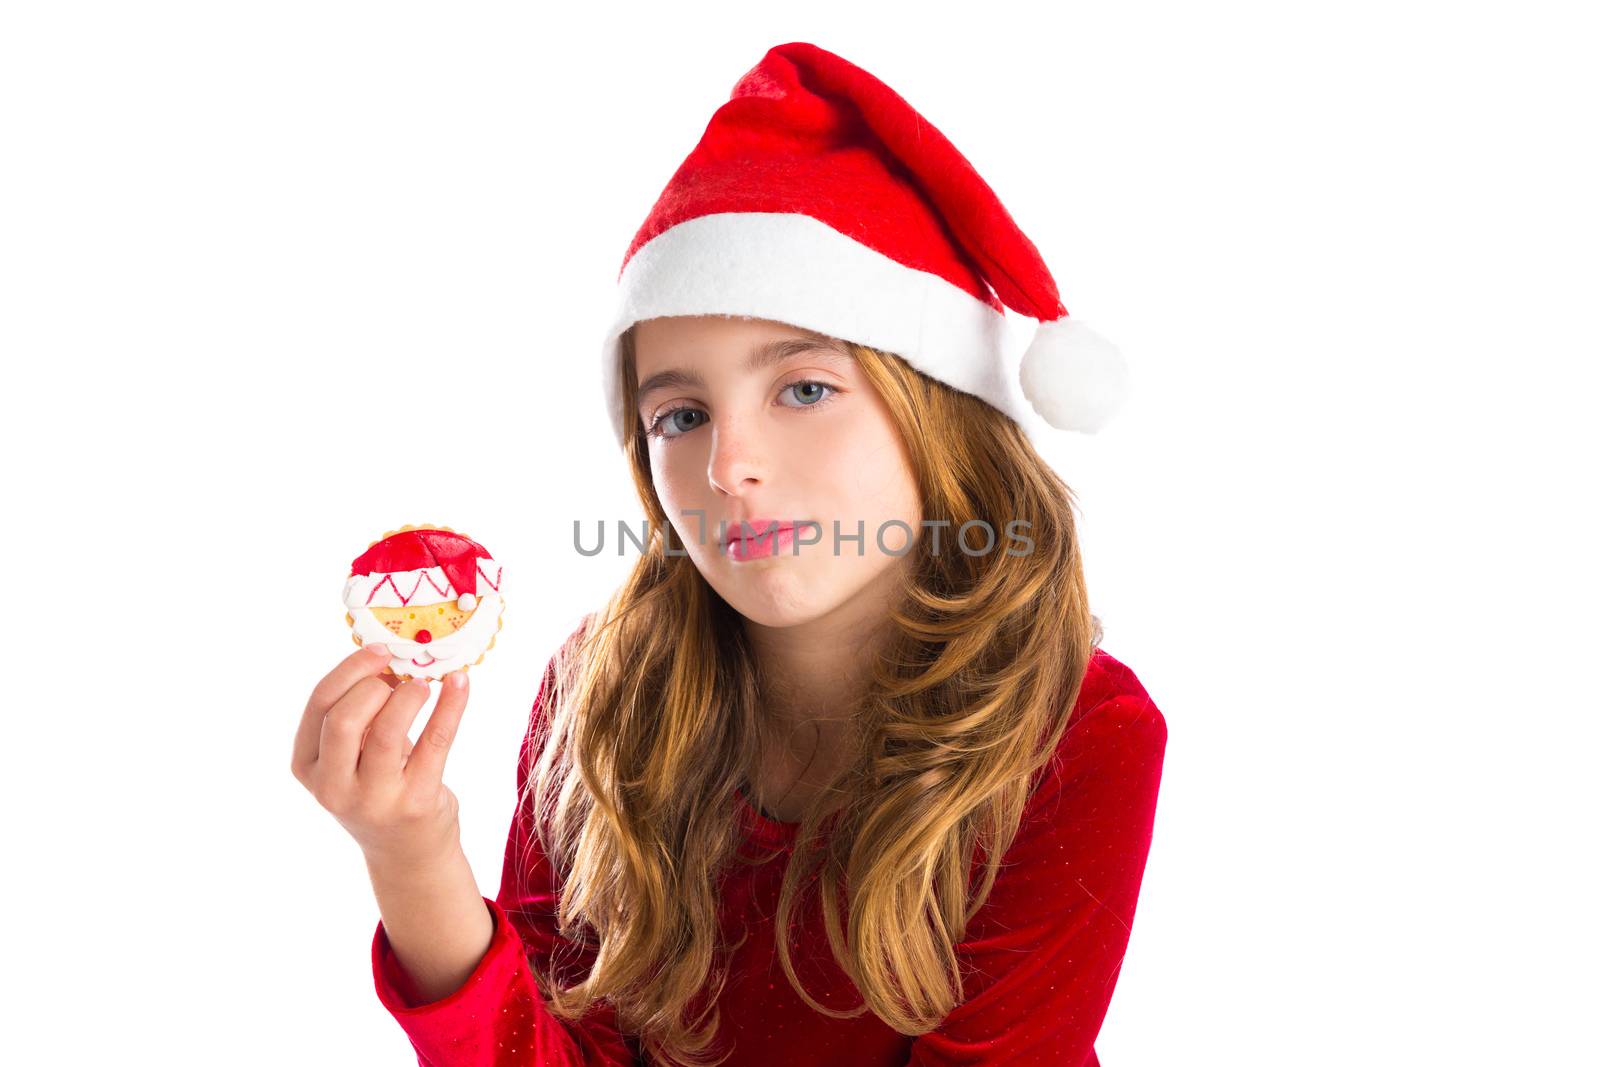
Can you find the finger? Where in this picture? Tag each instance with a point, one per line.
(393, 681)
(405, 750)
(426, 764)
(364, 662)
(383, 751)
(347, 722)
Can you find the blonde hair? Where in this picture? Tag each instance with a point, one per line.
(655, 721)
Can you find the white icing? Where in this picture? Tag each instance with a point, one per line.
(400, 589)
(467, 602)
(452, 651)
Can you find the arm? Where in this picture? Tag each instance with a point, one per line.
(435, 922)
(497, 1017)
(1041, 957)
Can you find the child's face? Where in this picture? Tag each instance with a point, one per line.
(754, 442)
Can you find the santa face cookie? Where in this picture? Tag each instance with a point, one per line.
(431, 595)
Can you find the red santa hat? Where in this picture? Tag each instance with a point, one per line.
(818, 197)
(421, 566)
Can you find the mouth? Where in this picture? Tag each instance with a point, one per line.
(756, 530)
(765, 540)
(430, 661)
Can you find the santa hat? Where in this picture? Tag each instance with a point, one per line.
(819, 198)
(421, 566)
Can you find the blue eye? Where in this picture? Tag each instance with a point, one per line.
(669, 420)
(816, 393)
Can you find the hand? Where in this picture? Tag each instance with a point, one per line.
(353, 753)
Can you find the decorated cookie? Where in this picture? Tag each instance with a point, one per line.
(433, 596)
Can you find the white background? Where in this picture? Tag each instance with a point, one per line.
(278, 278)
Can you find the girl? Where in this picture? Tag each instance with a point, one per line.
(840, 775)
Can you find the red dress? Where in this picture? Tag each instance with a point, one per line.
(1039, 962)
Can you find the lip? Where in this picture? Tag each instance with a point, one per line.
(431, 660)
(768, 541)
(758, 529)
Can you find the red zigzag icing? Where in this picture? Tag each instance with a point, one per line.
(405, 599)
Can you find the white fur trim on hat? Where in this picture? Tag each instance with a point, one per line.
(795, 269)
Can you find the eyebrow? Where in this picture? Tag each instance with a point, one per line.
(767, 355)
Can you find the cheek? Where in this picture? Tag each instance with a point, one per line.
(864, 470)
(679, 477)
(390, 619)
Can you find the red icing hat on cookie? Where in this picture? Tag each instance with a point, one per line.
(421, 567)
(819, 197)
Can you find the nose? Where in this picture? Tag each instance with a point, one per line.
(423, 637)
(736, 451)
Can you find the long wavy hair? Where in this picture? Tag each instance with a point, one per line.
(655, 722)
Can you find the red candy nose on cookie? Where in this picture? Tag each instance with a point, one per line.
(423, 637)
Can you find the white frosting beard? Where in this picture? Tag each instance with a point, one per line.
(448, 653)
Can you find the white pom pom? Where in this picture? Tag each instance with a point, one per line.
(1074, 378)
(466, 602)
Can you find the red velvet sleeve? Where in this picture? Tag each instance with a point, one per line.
(1042, 955)
(498, 1017)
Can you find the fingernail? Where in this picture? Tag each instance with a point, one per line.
(457, 679)
(382, 650)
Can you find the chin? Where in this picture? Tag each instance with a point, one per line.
(772, 594)
(776, 597)
(778, 614)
